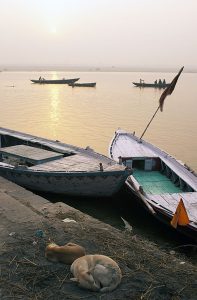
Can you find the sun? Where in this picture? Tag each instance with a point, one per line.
(54, 30)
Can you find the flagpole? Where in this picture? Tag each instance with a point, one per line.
(167, 91)
(150, 122)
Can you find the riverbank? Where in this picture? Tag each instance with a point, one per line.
(29, 221)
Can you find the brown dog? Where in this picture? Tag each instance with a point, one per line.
(96, 273)
(65, 254)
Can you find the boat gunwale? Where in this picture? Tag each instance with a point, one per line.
(26, 170)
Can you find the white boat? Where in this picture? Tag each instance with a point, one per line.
(158, 179)
(50, 166)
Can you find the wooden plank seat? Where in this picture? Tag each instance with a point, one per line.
(25, 154)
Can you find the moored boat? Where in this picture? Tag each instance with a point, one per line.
(87, 84)
(54, 81)
(159, 181)
(51, 166)
(158, 85)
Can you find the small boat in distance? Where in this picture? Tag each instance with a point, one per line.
(88, 84)
(158, 180)
(42, 80)
(51, 166)
(157, 84)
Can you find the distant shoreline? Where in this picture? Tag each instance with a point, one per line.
(90, 69)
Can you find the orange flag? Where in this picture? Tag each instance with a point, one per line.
(180, 217)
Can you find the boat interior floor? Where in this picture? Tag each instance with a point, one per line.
(154, 182)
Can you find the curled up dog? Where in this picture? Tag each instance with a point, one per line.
(65, 254)
(96, 273)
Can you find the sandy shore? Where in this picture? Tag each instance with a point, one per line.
(148, 272)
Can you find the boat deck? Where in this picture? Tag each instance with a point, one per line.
(76, 163)
(124, 146)
(170, 202)
(153, 182)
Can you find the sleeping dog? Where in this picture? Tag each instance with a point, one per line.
(96, 273)
(65, 254)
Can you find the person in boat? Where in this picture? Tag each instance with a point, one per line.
(164, 82)
(155, 82)
(40, 78)
(141, 82)
(160, 82)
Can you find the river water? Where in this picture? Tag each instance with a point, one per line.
(89, 117)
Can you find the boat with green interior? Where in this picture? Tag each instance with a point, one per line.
(159, 180)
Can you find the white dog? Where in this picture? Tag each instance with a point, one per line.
(96, 273)
(66, 254)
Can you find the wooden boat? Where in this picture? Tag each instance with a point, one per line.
(88, 84)
(51, 166)
(158, 179)
(54, 81)
(153, 85)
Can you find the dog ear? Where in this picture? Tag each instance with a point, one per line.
(74, 279)
(70, 244)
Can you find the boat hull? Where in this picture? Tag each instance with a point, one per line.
(151, 85)
(74, 184)
(61, 81)
(92, 84)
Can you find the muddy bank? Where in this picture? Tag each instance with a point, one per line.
(148, 272)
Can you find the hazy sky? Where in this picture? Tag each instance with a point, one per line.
(144, 33)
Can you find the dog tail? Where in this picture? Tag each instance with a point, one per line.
(116, 281)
